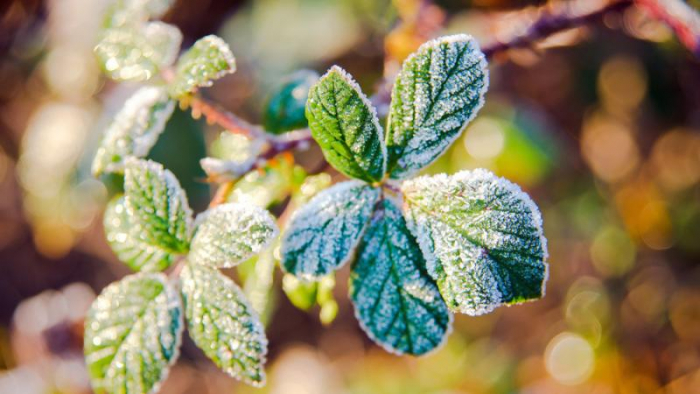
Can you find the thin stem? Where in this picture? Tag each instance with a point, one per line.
(550, 24)
(680, 17)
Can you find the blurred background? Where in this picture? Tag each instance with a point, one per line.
(601, 125)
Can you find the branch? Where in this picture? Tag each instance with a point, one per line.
(550, 24)
(680, 17)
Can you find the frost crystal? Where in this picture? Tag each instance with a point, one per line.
(439, 90)
(231, 233)
(396, 301)
(223, 325)
(346, 127)
(323, 233)
(156, 202)
(132, 334)
(124, 236)
(209, 59)
(482, 238)
(136, 53)
(135, 129)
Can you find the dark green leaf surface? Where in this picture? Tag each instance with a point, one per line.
(285, 108)
(396, 301)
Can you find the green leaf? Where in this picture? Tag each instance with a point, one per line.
(223, 325)
(439, 90)
(346, 127)
(137, 53)
(124, 235)
(285, 107)
(322, 234)
(157, 203)
(135, 129)
(132, 334)
(301, 294)
(209, 59)
(482, 238)
(396, 301)
(132, 12)
(231, 233)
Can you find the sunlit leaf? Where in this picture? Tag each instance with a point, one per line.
(231, 233)
(323, 233)
(157, 203)
(439, 90)
(137, 53)
(130, 12)
(132, 334)
(124, 236)
(482, 238)
(285, 107)
(222, 324)
(396, 301)
(346, 127)
(135, 129)
(209, 59)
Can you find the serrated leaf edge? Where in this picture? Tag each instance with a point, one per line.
(481, 174)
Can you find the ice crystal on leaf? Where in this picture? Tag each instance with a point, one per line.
(222, 323)
(156, 202)
(396, 301)
(322, 234)
(439, 90)
(209, 59)
(482, 238)
(132, 334)
(124, 236)
(129, 12)
(135, 129)
(231, 233)
(137, 53)
(346, 127)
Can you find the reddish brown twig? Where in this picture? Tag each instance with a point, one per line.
(680, 17)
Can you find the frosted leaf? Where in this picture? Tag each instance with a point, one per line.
(439, 90)
(322, 234)
(346, 127)
(135, 129)
(136, 53)
(223, 325)
(231, 233)
(131, 12)
(132, 334)
(284, 110)
(396, 301)
(482, 238)
(156, 202)
(124, 236)
(209, 59)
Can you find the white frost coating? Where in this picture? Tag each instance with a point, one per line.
(137, 52)
(482, 238)
(365, 100)
(209, 59)
(135, 326)
(230, 234)
(135, 129)
(323, 234)
(124, 236)
(396, 302)
(158, 204)
(427, 116)
(223, 324)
